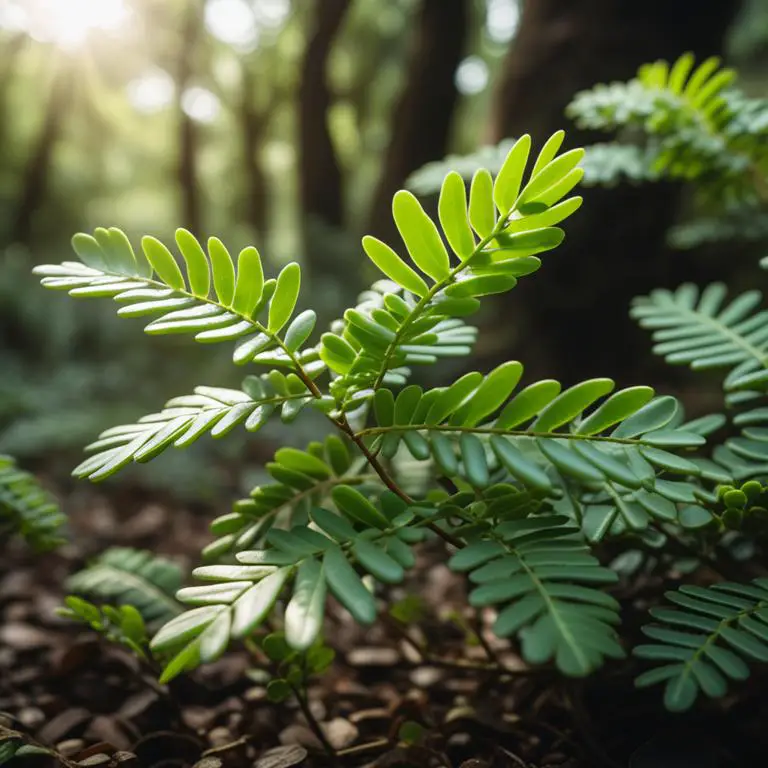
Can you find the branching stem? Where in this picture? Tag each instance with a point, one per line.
(498, 431)
(501, 224)
(313, 724)
(388, 480)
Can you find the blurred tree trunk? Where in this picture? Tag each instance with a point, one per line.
(378, 47)
(422, 120)
(254, 123)
(33, 185)
(186, 168)
(576, 308)
(320, 178)
(12, 50)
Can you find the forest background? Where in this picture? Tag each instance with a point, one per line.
(289, 124)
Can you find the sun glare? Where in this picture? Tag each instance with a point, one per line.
(63, 22)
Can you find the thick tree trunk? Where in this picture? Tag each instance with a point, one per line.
(571, 319)
(186, 169)
(34, 182)
(321, 182)
(422, 120)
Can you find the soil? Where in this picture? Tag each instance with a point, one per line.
(385, 702)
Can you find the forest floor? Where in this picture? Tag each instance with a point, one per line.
(386, 701)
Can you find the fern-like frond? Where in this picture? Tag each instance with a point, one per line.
(124, 576)
(27, 509)
(617, 456)
(749, 448)
(314, 560)
(604, 164)
(214, 300)
(428, 179)
(651, 487)
(302, 480)
(185, 419)
(607, 107)
(746, 456)
(748, 118)
(702, 330)
(688, 94)
(492, 240)
(539, 574)
(745, 223)
(441, 333)
(692, 126)
(122, 624)
(607, 165)
(706, 639)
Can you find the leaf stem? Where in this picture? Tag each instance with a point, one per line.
(388, 480)
(343, 424)
(313, 724)
(725, 569)
(257, 326)
(501, 224)
(497, 431)
(493, 657)
(551, 605)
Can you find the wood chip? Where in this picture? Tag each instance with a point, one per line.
(70, 747)
(373, 657)
(138, 704)
(339, 732)
(106, 729)
(63, 725)
(282, 757)
(301, 735)
(100, 758)
(24, 636)
(209, 762)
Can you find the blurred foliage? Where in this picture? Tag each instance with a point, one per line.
(146, 113)
(125, 576)
(94, 106)
(123, 624)
(27, 509)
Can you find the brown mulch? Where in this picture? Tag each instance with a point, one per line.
(476, 704)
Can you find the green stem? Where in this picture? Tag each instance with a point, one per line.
(313, 724)
(257, 326)
(723, 569)
(375, 464)
(477, 626)
(501, 224)
(388, 480)
(497, 431)
(548, 601)
(715, 634)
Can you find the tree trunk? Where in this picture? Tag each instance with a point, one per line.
(12, 51)
(186, 169)
(378, 49)
(422, 120)
(576, 309)
(34, 182)
(253, 123)
(320, 177)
